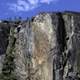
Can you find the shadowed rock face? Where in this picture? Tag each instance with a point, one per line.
(4, 32)
(45, 48)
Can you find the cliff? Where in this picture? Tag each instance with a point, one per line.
(47, 47)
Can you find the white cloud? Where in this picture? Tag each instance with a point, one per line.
(26, 5)
(33, 2)
(48, 1)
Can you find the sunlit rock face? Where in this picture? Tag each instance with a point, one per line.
(42, 44)
(47, 47)
(33, 45)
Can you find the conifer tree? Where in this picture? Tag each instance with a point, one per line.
(8, 64)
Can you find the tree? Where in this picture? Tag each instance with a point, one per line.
(8, 64)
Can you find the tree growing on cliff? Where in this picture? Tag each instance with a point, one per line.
(8, 68)
(8, 64)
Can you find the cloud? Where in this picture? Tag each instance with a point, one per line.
(21, 5)
(33, 2)
(47, 1)
(27, 5)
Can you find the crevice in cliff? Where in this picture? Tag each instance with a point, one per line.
(61, 46)
(61, 33)
(61, 39)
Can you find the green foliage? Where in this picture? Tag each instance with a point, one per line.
(8, 77)
(8, 64)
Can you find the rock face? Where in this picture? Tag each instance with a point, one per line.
(47, 47)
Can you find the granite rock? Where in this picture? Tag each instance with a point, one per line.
(47, 47)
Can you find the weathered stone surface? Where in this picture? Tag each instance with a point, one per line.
(46, 47)
(72, 25)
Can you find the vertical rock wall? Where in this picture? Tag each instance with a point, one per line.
(47, 47)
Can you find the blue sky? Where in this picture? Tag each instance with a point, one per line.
(28, 8)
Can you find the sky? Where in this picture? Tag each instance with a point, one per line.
(29, 8)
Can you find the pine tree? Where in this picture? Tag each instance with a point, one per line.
(8, 64)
